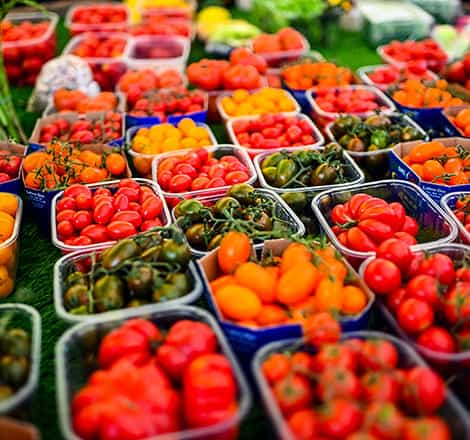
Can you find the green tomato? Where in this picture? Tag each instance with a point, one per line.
(272, 160)
(225, 204)
(14, 370)
(286, 170)
(108, 293)
(243, 192)
(269, 173)
(16, 342)
(76, 296)
(296, 200)
(188, 208)
(195, 235)
(120, 252)
(175, 253)
(140, 280)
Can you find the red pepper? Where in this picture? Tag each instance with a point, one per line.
(134, 340)
(209, 392)
(184, 342)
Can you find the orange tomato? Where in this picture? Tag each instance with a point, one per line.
(235, 249)
(271, 314)
(35, 161)
(7, 224)
(329, 296)
(418, 169)
(8, 203)
(297, 284)
(294, 254)
(90, 158)
(222, 281)
(239, 303)
(115, 164)
(93, 175)
(354, 300)
(432, 171)
(258, 279)
(463, 118)
(426, 151)
(453, 165)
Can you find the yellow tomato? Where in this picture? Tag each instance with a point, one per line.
(8, 203)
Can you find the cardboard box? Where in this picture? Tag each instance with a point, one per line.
(401, 170)
(246, 341)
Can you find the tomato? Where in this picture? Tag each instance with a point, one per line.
(234, 249)
(424, 390)
(384, 420)
(321, 328)
(103, 212)
(276, 367)
(293, 393)
(457, 303)
(234, 177)
(335, 355)
(66, 214)
(463, 274)
(120, 203)
(406, 238)
(396, 251)
(83, 201)
(152, 207)
(66, 203)
(241, 77)
(149, 224)
(382, 386)
(395, 298)
(338, 382)
(304, 424)
(207, 74)
(415, 315)
(82, 240)
(425, 288)
(119, 229)
(81, 219)
(128, 216)
(65, 229)
(437, 339)
(359, 241)
(339, 417)
(76, 189)
(382, 276)
(179, 183)
(130, 192)
(97, 233)
(355, 203)
(338, 215)
(410, 226)
(400, 215)
(440, 266)
(378, 355)
(426, 428)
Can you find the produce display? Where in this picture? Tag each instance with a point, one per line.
(10, 215)
(152, 267)
(173, 148)
(415, 93)
(433, 162)
(258, 213)
(85, 216)
(402, 52)
(26, 46)
(166, 388)
(427, 294)
(305, 75)
(83, 131)
(202, 169)
(162, 103)
(266, 100)
(305, 168)
(15, 357)
(77, 101)
(60, 165)
(364, 222)
(356, 388)
(285, 289)
(389, 74)
(273, 131)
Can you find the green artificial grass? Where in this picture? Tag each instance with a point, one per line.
(38, 255)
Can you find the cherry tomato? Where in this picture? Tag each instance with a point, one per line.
(378, 355)
(415, 315)
(382, 276)
(151, 208)
(149, 224)
(66, 203)
(120, 229)
(424, 390)
(128, 216)
(65, 229)
(437, 339)
(395, 250)
(103, 212)
(96, 233)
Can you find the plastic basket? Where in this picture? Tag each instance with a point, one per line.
(144, 161)
(255, 151)
(283, 211)
(112, 185)
(245, 340)
(14, 185)
(452, 410)
(225, 116)
(216, 151)
(448, 205)
(28, 319)
(136, 58)
(353, 174)
(430, 217)
(71, 373)
(78, 28)
(68, 263)
(322, 117)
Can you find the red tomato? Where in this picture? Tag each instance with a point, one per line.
(103, 212)
(457, 303)
(376, 230)
(96, 233)
(395, 298)
(378, 355)
(424, 390)
(83, 201)
(128, 216)
(406, 238)
(179, 183)
(151, 208)
(396, 251)
(234, 177)
(81, 219)
(426, 428)
(382, 276)
(199, 183)
(120, 202)
(415, 315)
(440, 266)
(425, 288)
(120, 229)
(304, 424)
(335, 355)
(382, 386)
(359, 241)
(65, 229)
(66, 214)
(339, 417)
(66, 203)
(437, 339)
(384, 420)
(410, 225)
(338, 382)
(293, 393)
(149, 224)
(76, 189)
(130, 192)
(82, 241)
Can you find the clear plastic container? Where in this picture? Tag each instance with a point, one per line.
(322, 117)
(115, 26)
(277, 59)
(379, 164)
(10, 252)
(255, 151)
(353, 174)
(452, 410)
(246, 340)
(142, 163)
(112, 185)
(14, 185)
(225, 116)
(24, 59)
(106, 71)
(446, 363)
(150, 52)
(217, 151)
(364, 72)
(72, 372)
(28, 319)
(448, 205)
(68, 264)
(282, 210)
(432, 220)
